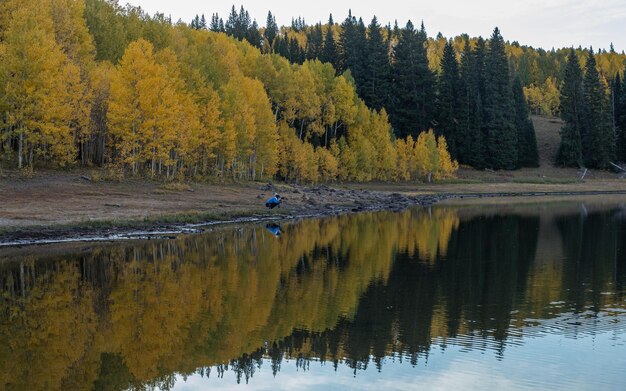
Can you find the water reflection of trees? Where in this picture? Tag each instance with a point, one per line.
(351, 289)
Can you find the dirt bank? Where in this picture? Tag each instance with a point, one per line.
(55, 207)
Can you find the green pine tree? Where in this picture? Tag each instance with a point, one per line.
(271, 29)
(353, 45)
(376, 75)
(500, 130)
(472, 150)
(412, 106)
(329, 53)
(570, 151)
(618, 101)
(526, 139)
(315, 42)
(449, 104)
(598, 138)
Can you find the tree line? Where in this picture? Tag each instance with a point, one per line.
(423, 87)
(594, 115)
(99, 84)
(477, 103)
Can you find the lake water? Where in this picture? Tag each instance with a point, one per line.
(472, 297)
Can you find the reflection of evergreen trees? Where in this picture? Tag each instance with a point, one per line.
(595, 245)
(473, 290)
(350, 290)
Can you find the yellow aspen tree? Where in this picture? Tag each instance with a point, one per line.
(178, 114)
(309, 168)
(286, 154)
(343, 100)
(239, 117)
(208, 137)
(80, 100)
(327, 164)
(404, 156)
(447, 167)
(34, 88)
(129, 82)
(227, 144)
(70, 30)
(347, 161)
(426, 155)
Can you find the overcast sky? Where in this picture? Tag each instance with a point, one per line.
(539, 23)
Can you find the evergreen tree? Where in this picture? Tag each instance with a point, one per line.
(231, 22)
(359, 56)
(473, 150)
(526, 139)
(570, 151)
(195, 23)
(315, 42)
(254, 35)
(449, 101)
(203, 25)
(376, 72)
(329, 53)
(217, 24)
(598, 139)
(352, 44)
(271, 29)
(296, 54)
(412, 104)
(281, 46)
(618, 99)
(500, 130)
(238, 24)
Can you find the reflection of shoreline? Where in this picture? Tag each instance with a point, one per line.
(359, 287)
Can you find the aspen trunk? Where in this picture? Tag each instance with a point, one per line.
(20, 149)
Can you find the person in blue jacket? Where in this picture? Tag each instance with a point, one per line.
(273, 202)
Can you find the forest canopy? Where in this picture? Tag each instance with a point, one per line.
(92, 83)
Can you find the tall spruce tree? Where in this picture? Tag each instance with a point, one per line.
(353, 43)
(473, 150)
(618, 100)
(271, 29)
(412, 104)
(253, 35)
(598, 139)
(570, 150)
(329, 53)
(346, 39)
(526, 138)
(315, 42)
(217, 24)
(281, 46)
(449, 105)
(195, 23)
(499, 115)
(376, 72)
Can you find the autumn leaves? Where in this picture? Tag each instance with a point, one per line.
(182, 103)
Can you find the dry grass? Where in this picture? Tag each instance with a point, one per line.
(63, 197)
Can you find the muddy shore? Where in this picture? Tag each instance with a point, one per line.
(300, 202)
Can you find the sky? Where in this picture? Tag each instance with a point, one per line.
(538, 23)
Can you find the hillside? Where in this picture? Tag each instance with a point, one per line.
(548, 140)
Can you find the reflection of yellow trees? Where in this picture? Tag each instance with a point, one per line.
(428, 232)
(47, 333)
(201, 300)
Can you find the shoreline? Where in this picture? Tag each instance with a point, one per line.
(168, 226)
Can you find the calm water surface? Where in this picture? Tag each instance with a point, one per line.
(499, 297)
